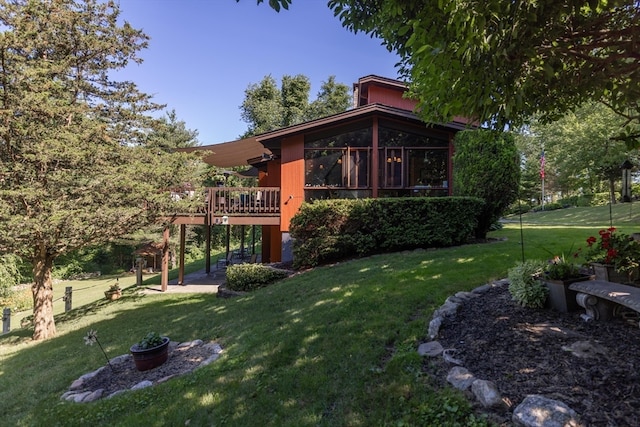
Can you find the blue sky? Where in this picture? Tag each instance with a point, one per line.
(203, 55)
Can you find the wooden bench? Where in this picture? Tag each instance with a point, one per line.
(604, 300)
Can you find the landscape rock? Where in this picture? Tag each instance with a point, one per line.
(539, 411)
(447, 355)
(460, 378)
(486, 393)
(142, 384)
(434, 326)
(482, 289)
(585, 349)
(432, 349)
(448, 309)
(93, 396)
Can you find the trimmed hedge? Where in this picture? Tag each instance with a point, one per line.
(331, 230)
(247, 277)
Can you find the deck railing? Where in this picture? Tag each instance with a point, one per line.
(244, 200)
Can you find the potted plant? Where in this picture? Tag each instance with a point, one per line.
(150, 352)
(114, 292)
(557, 276)
(614, 256)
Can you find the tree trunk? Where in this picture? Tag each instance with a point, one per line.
(44, 325)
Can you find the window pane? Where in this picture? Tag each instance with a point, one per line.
(388, 137)
(323, 168)
(391, 167)
(311, 194)
(428, 168)
(355, 138)
(358, 168)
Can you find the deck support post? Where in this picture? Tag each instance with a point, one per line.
(164, 281)
(183, 237)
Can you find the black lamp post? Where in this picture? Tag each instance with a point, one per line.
(626, 167)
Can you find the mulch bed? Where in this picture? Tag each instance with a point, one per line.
(523, 351)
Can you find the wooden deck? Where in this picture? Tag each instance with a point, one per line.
(235, 206)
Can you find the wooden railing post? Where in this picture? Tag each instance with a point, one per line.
(68, 291)
(6, 320)
(243, 200)
(139, 263)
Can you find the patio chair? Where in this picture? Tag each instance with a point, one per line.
(224, 262)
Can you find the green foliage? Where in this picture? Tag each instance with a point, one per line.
(171, 133)
(9, 274)
(451, 410)
(330, 230)
(248, 277)
(332, 98)
(581, 152)
(78, 167)
(70, 270)
(503, 62)
(548, 207)
(600, 199)
(615, 248)
(519, 207)
(524, 287)
(152, 339)
(326, 334)
(266, 107)
(18, 300)
(485, 165)
(559, 268)
(582, 200)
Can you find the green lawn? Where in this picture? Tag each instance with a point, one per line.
(333, 346)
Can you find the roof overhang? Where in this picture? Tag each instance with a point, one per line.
(258, 149)
(232, 153)
(354, 114)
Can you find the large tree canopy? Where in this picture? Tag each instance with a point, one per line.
(504, 61)
(266, 107)
(77, 164)
(581, 155)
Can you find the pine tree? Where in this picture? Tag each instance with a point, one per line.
(76, 165)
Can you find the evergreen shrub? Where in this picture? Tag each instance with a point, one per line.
(331, 230)
(486, 164)
(248, 277)
(578, 201)
(548, 207)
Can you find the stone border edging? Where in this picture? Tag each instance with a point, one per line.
(528, 412)
(78, 394)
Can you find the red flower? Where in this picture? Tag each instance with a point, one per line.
(611, 255)
(614, 248)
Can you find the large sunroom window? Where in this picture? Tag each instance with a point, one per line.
(412, 161)
(336, 165)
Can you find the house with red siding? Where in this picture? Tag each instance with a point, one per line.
(379, 148)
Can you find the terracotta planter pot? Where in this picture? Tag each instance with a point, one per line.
(150, 358)
(112, 295)
(561, 298)
(608, 273)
